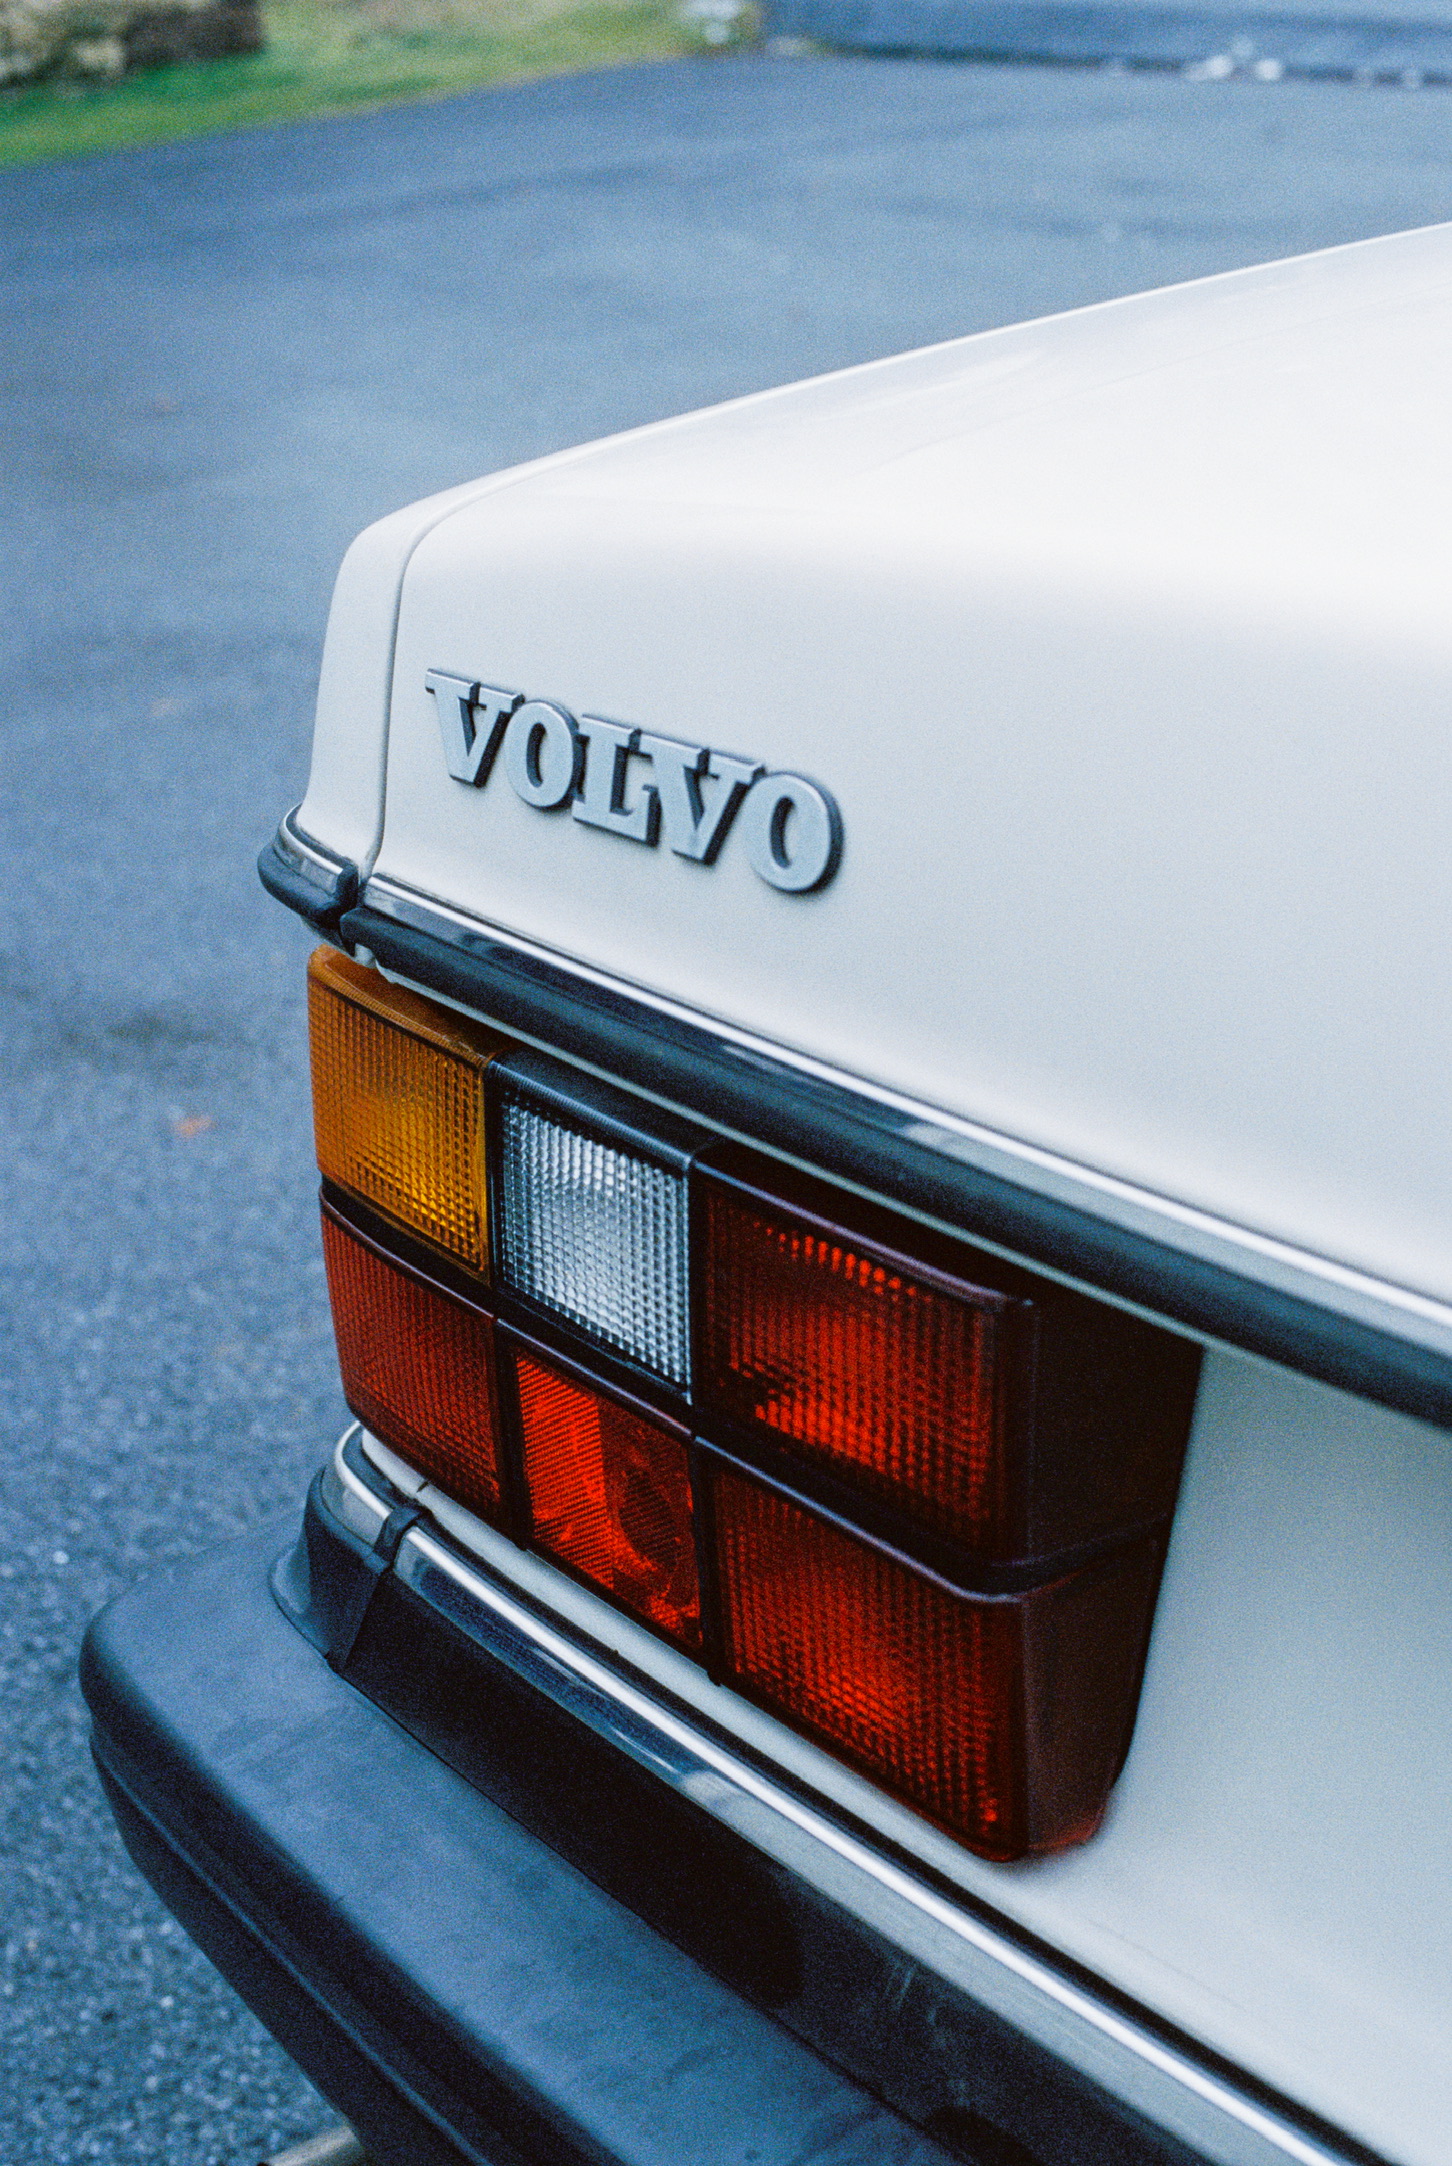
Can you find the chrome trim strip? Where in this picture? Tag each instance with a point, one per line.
(348, 1499)
(307, 876)
(1125, 2059)
(1221, 1282)
(308, 854)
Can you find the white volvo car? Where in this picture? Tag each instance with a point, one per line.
(881, 1053)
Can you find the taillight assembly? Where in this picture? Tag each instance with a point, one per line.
(909, 1498)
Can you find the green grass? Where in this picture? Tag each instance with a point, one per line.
(338, 56)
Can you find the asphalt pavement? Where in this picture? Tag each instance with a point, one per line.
(217, 361)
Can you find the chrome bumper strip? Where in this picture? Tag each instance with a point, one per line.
(309, 878)
(1218, 1282)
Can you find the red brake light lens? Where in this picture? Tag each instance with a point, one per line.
(417, 1367)
(1002, 1717)
(609, 1493)
(910, 1682)
(1015, 1419)
(857, 1361)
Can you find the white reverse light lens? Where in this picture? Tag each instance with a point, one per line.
(595, 1233)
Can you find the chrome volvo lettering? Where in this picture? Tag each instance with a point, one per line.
(793, 833)
(601, 801)
(472, 721)
(542, 754)
(696, 826)
(634, 783)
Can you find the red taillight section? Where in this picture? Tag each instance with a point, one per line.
(1015, 1419)
(417, 1367)
(1003, 1717)
(858, 1362)
(610, 1495)
(917, 1686)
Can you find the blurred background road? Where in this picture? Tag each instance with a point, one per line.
(217, 361)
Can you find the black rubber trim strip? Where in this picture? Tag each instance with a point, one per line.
(860, 1140)
(318, 896)
(379, 1561)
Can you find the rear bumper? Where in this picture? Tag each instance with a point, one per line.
(504, 1906)
(457, 1989)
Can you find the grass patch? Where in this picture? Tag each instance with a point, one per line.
(339, 56)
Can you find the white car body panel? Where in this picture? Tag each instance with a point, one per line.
(1138, 729)
(1124, 642)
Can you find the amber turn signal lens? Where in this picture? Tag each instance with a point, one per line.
(417, 1367)
(398, 1104)
(857, 1362)
(610, 1495)
(1002, 1717)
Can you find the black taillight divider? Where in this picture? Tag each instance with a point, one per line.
(950, 1563)
(708, 1562)
(874, 1532)
(514, 1489)
(395, 1244)
(569, 1346)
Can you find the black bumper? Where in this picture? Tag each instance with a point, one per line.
(504, 1905)
(456, 1988)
